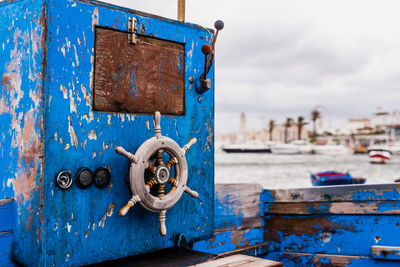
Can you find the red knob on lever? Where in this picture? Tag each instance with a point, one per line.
(207, 50)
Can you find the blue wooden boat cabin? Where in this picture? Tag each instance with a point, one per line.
(107, 151)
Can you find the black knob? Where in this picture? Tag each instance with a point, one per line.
(219, 25)
(84, 177)
(102, 177)
(64, 180)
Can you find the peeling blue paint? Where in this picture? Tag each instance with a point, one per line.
(372, 195)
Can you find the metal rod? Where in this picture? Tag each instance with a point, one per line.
(181, 10)
(213, 45)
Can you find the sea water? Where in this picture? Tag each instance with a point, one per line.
(293, 171)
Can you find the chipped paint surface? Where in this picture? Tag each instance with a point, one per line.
(78, 136)
(238, 219)
(351, 221)
(22, 36)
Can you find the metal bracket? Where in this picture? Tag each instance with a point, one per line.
(132, 30)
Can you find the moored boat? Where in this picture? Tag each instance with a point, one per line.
(379, 154)
(285, 149)
(334, 178)
(246, 148)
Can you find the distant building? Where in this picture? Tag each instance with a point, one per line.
(242, 122)
(387, 122)
(261, 135)
(357, 126)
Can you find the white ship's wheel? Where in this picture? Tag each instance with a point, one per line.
(158, 174)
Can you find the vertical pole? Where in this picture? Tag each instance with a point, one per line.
(181, 10)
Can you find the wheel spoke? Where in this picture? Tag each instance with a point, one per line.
(150, 183)
(172, 181)
(171, 162)
(161, 191)
(159, 159)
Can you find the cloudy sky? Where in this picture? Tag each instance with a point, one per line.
(278, 59)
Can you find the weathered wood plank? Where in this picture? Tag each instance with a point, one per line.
(335, 193)
(237, 206)
(239, 260)
(253, 250)
(331, 234)
(356, 207)
(308, 259)
(385, 252)
(230, 240)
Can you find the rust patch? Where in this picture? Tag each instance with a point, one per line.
(108, 213)
(312, 226)
(140, 78)
(6, 79)
(237, 237)
(29, 147)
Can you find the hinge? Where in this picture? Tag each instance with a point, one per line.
(132, 30)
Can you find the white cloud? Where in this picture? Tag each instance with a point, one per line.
(278, 59)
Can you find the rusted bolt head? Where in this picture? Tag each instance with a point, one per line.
(206, 49)
(219, 25)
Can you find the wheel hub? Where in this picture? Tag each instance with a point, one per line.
(162, 174)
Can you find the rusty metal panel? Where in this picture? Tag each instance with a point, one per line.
(138, 78)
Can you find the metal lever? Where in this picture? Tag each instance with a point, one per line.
(208, 51)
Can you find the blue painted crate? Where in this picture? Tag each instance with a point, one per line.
(48, 124)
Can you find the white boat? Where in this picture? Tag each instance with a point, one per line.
(303, 147)
(285, 149)
(379, 154)
(247, 148)
(332, 150)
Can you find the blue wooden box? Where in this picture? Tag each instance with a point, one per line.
(48, 124)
